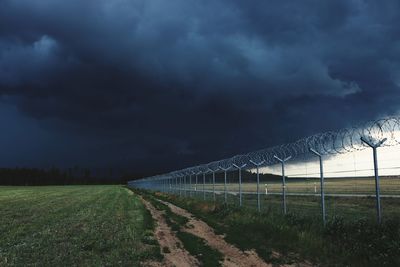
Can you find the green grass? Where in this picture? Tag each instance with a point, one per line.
(74, 225)
(298, 237)
(197, 247)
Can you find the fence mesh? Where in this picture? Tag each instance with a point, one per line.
(334, 170)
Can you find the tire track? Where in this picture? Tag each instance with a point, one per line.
(232, 255)
(171, 247)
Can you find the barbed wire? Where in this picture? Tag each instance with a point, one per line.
(329, 143)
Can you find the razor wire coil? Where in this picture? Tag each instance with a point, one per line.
(329, 143)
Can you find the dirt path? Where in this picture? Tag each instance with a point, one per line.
(171, 246)
(232, 255)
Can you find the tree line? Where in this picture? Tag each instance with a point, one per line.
(83, 176)
(56, 176)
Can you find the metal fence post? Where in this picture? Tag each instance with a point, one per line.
(258, 183)
(258, 190)
(197, 182)
(346, 140)
(184, 186)
(195, 186)
(282, 161)
(190, 185)
(225, 189)
(377, 188)
(240, 181)
(240, 187)
(213, 179)
(176, 186)
(225, 195)
(322, 183)
(181, 185)
(204, 185)
(166, 181)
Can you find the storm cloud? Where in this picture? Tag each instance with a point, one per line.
(155, 85)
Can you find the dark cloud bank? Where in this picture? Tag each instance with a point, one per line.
(152, 85)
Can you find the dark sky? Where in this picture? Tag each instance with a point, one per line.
(155, 85)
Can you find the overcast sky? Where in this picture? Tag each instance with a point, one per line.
(155, 85)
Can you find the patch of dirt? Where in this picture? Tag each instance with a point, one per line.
(171, 246)
(232, 255)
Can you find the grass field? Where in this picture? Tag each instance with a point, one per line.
(362, 185)
(351, 198)
(74, 225)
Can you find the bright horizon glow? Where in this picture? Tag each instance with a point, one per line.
(352, 164)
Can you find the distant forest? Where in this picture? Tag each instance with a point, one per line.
(82, 176)
(55, 176)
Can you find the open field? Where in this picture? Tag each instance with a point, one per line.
(109, 225)
(356, 186)
(344, 197)
(74, 225)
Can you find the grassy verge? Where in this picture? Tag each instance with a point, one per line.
(357, 242)
(196, 246)
(74, 226)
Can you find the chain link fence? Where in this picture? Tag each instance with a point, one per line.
(332, 174)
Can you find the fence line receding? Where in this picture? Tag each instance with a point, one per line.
(249, 179)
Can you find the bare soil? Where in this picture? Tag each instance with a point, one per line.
(171, 247)
(178, 256)
(232, 255)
